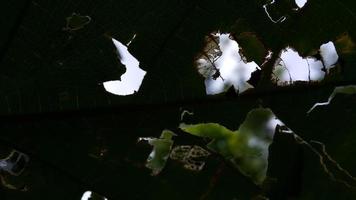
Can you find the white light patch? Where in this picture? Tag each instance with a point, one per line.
(273, 122)
(88, 195)
(131, 80)
(233, 70)
(292, 67)
(301, 3)
(329, 55)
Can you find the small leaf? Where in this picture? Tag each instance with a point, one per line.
(76, 22)
(160, 153)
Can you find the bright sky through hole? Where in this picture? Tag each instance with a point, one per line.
(301, 3)
(131, 80)
(87, 196)
(233, 70)
(293, 67)
(329, 54)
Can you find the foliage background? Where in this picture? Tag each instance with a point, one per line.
(54, 108)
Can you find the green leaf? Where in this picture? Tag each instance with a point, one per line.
(76, 22)
(161, 148)
(246, 148)
(208, 130)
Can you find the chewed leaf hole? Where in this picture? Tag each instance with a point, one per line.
(192, 157)
(301, 3)
(15, 163)
(132, 79)
(291, 67)
(88, 195)
(329, 55)
(222, 65)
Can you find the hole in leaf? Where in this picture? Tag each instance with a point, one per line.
(292, 67)
(11, 168)
(132, 79)
(88, 195)
(15, 163)
(301, 3)
(329, 55)
(192, 157)
(222, 65)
